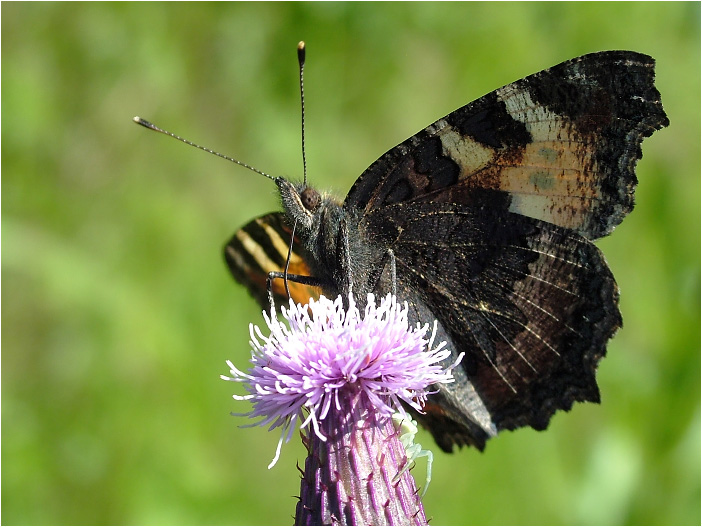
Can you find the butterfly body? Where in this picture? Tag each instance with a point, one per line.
(484, 221)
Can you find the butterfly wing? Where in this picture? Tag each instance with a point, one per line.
(490, 212)
(261, 247)
(562, 143)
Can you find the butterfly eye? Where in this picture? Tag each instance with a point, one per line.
(310, 199)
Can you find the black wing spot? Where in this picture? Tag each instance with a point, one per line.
(492, 126)
(429, 160)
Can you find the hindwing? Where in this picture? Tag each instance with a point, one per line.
(531, 304)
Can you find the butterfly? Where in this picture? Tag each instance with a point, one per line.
(485, 222)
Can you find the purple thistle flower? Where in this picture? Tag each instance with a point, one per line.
(342, 374)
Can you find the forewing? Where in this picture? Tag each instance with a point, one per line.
(260, 247)
(562, 144)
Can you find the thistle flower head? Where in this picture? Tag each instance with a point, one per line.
(322, 349)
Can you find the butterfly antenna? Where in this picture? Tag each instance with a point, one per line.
(151, 126)
(301, 62)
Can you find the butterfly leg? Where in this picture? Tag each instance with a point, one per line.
(393, 271)
(299, 279)
(345, 259)
(388, 259)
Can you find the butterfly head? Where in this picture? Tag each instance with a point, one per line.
(304, 205)
(317, 220)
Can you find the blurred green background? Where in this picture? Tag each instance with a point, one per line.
(118, 313)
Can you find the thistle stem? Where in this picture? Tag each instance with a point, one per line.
(348, 479)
